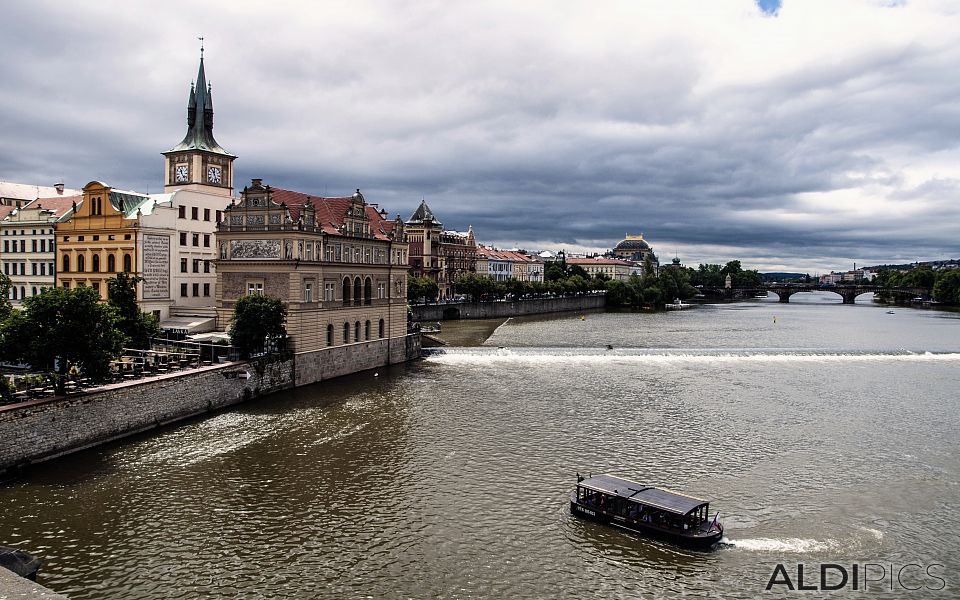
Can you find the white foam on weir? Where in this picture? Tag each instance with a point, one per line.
(466, 356)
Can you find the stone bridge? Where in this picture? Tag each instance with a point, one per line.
(849, 293)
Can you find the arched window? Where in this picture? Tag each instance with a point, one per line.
(95, 263)
(23, 293)
(80, 263)
(33, 291)
(356, 332)
(346, 290)
(366, 330)
(346, 332)
(111, 263)
(127, 263)
(381, 328)
(13, 293)
(367, 291)
(66, 263)
(330, 334)
(357, 291)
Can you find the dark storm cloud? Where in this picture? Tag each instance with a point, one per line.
(809, 139)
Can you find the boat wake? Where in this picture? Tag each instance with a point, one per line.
(781, 545)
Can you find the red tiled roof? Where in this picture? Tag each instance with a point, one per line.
(6, 210)
(330, 211)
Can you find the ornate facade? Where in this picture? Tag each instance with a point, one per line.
(439, 254)
(338, 263)
(29, 244)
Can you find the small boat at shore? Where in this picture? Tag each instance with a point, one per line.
(656, 512)
(676, 305)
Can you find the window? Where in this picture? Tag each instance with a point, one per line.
(81, 266)
(254, 289)
(183, 290)
(330, 334)
(206, 214)
(367, 291)
(329, 292)
(33, 245)
(380, 328)
(182, 211)
(96, 287)
(50, 269)
(33, 291)
(357, 291)
(381, 290)
(346, 333)
(366, 330)
(193, 213)
(95, 263)
(196, 265)
(6, 268)
(183, 238)
(183, 265)
(43, 269)
(111, 263)
(79, 238)
(66, 284)
(96, 238)
(196, 239)
(206, 266)
(66, 263)
(356, 332)
(308, 292)
(33, 268)
(127, 263)
(219, 216)
(6, 245)
(196, 290)
(13, 292)
(126, 236)
(206, 240)
(206, 290)
(43, 245)
(346, 291)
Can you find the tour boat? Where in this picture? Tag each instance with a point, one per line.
(652, 511)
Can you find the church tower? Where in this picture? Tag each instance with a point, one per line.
(199, 162)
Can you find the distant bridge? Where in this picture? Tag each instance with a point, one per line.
(849, 293)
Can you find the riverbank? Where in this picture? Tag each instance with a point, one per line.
(41, 430)
(501, 309)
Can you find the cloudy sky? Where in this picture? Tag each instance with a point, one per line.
(803, 136)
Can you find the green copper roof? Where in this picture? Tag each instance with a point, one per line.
(200, 118)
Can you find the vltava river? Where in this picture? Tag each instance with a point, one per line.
(823, 433)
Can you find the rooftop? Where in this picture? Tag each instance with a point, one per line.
(673, 502)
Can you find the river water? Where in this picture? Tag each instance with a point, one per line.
(823, 433)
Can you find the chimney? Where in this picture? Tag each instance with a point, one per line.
(59, 187)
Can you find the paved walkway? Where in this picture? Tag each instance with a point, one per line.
(13, 586)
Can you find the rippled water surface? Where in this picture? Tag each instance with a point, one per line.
(822, 432)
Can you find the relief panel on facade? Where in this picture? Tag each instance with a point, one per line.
(255, 249)
(156, 267)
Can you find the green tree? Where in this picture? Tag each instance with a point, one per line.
(258, 324)
(60, 327)
(137, 326)
(947, 287)
(473, 285)
(554, 271)
(422, 288)
(5, 305)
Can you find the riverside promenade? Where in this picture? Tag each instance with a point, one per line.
(496, 309)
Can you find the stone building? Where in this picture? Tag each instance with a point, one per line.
(441, 255)
(613, 268)
(28, 247)
(16, 195)
(338, 263)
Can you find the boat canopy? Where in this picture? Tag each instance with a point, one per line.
(666, 500)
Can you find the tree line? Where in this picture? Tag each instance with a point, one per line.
(942, 285)
(652, 289)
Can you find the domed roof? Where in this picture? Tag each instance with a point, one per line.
(633, 242)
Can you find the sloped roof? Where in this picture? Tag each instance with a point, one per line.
(60, 205)
(200, 118)
(25, 191)
(667, 500)
(331, 211)
(6, 210)
(598, 261)
(423, 213)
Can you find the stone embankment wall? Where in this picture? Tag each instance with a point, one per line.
(496, 310)
(43, 429)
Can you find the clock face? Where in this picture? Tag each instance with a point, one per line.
(213, 174)
(180, 173)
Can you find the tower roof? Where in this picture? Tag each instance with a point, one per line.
(422, 214)
(200, 117)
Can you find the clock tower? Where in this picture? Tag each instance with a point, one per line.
(199, 162)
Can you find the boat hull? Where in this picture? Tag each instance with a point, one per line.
(699, 540)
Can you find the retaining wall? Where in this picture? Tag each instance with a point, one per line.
(43, 429)
(496, 310)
